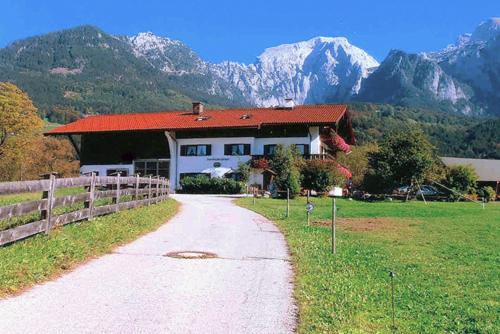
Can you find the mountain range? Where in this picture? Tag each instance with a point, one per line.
(82, 71)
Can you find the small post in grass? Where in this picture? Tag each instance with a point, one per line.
(336, 192)
(392, 274)
(287, 202)
(254, 195)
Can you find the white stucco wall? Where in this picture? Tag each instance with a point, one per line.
(315, 140)
(196, 164)
(101, 169)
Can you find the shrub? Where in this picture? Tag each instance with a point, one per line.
(244, 171)
(261, 163)
(488, 193)
(203, 184)
(320, 175)
(461, 179)
(284, 164)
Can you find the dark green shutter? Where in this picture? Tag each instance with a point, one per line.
(209, 149)
(183, 150)
(246, 149)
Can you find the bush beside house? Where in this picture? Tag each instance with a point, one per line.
(203, 184)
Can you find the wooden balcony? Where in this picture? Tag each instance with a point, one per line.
(305, 156)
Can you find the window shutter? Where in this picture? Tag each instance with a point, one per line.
(306, 149)
(183, 150)
(246, 149)
(209, 149)
(227, 149)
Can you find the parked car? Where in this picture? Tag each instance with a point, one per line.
(427, 190)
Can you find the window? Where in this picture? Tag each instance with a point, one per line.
(154, 167)
(196, 150)
(303, 149)
(237, 149)
(269, 149)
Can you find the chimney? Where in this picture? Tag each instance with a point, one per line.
(197, 108)
(289, 103)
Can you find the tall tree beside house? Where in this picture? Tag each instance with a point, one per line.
(24, 152)
(19, 124)
(402, 157)
(18, 116)
(284, 164)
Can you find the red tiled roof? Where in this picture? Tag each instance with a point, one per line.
(223, 118)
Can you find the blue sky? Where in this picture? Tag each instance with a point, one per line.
(241, 30)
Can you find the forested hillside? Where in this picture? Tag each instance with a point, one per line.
(83, 71)
(452, 134)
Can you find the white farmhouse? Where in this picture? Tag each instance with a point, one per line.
(175, 144)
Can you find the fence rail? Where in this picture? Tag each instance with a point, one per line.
(142, 190)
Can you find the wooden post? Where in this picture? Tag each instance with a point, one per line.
(149, 189)
(49, 196)
(116, 199)
(90, 203)
(157, 188)
(334, 226)
(136, 195)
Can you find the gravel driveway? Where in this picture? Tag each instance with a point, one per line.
(247, 288)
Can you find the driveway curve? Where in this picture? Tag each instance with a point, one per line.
(246, 288)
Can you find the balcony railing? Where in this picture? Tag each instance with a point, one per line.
(305, 156)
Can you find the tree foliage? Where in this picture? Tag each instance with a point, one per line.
(24, 152)
(357, 161)
(284, 163)
(18, 117)
(320, 175)
(402, 157)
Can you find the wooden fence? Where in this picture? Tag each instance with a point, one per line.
(142, 191)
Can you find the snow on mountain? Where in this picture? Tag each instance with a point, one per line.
(165, 54)
(319, 70)
(474, 60)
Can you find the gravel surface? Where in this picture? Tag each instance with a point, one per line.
(247, 288)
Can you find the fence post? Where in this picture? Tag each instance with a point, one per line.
(136, 195)
(116, 199)
(157, 195)
(149, 190)
(49, 196)
(90, 203)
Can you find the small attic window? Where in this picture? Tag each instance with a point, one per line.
(202, 118)
(246, 116)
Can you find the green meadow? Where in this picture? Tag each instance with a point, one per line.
(446, 258)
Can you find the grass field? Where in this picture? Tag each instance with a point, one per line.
(42, 257)
(446, 257)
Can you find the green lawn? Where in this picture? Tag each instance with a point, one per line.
(446, 257)
(42, 257)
